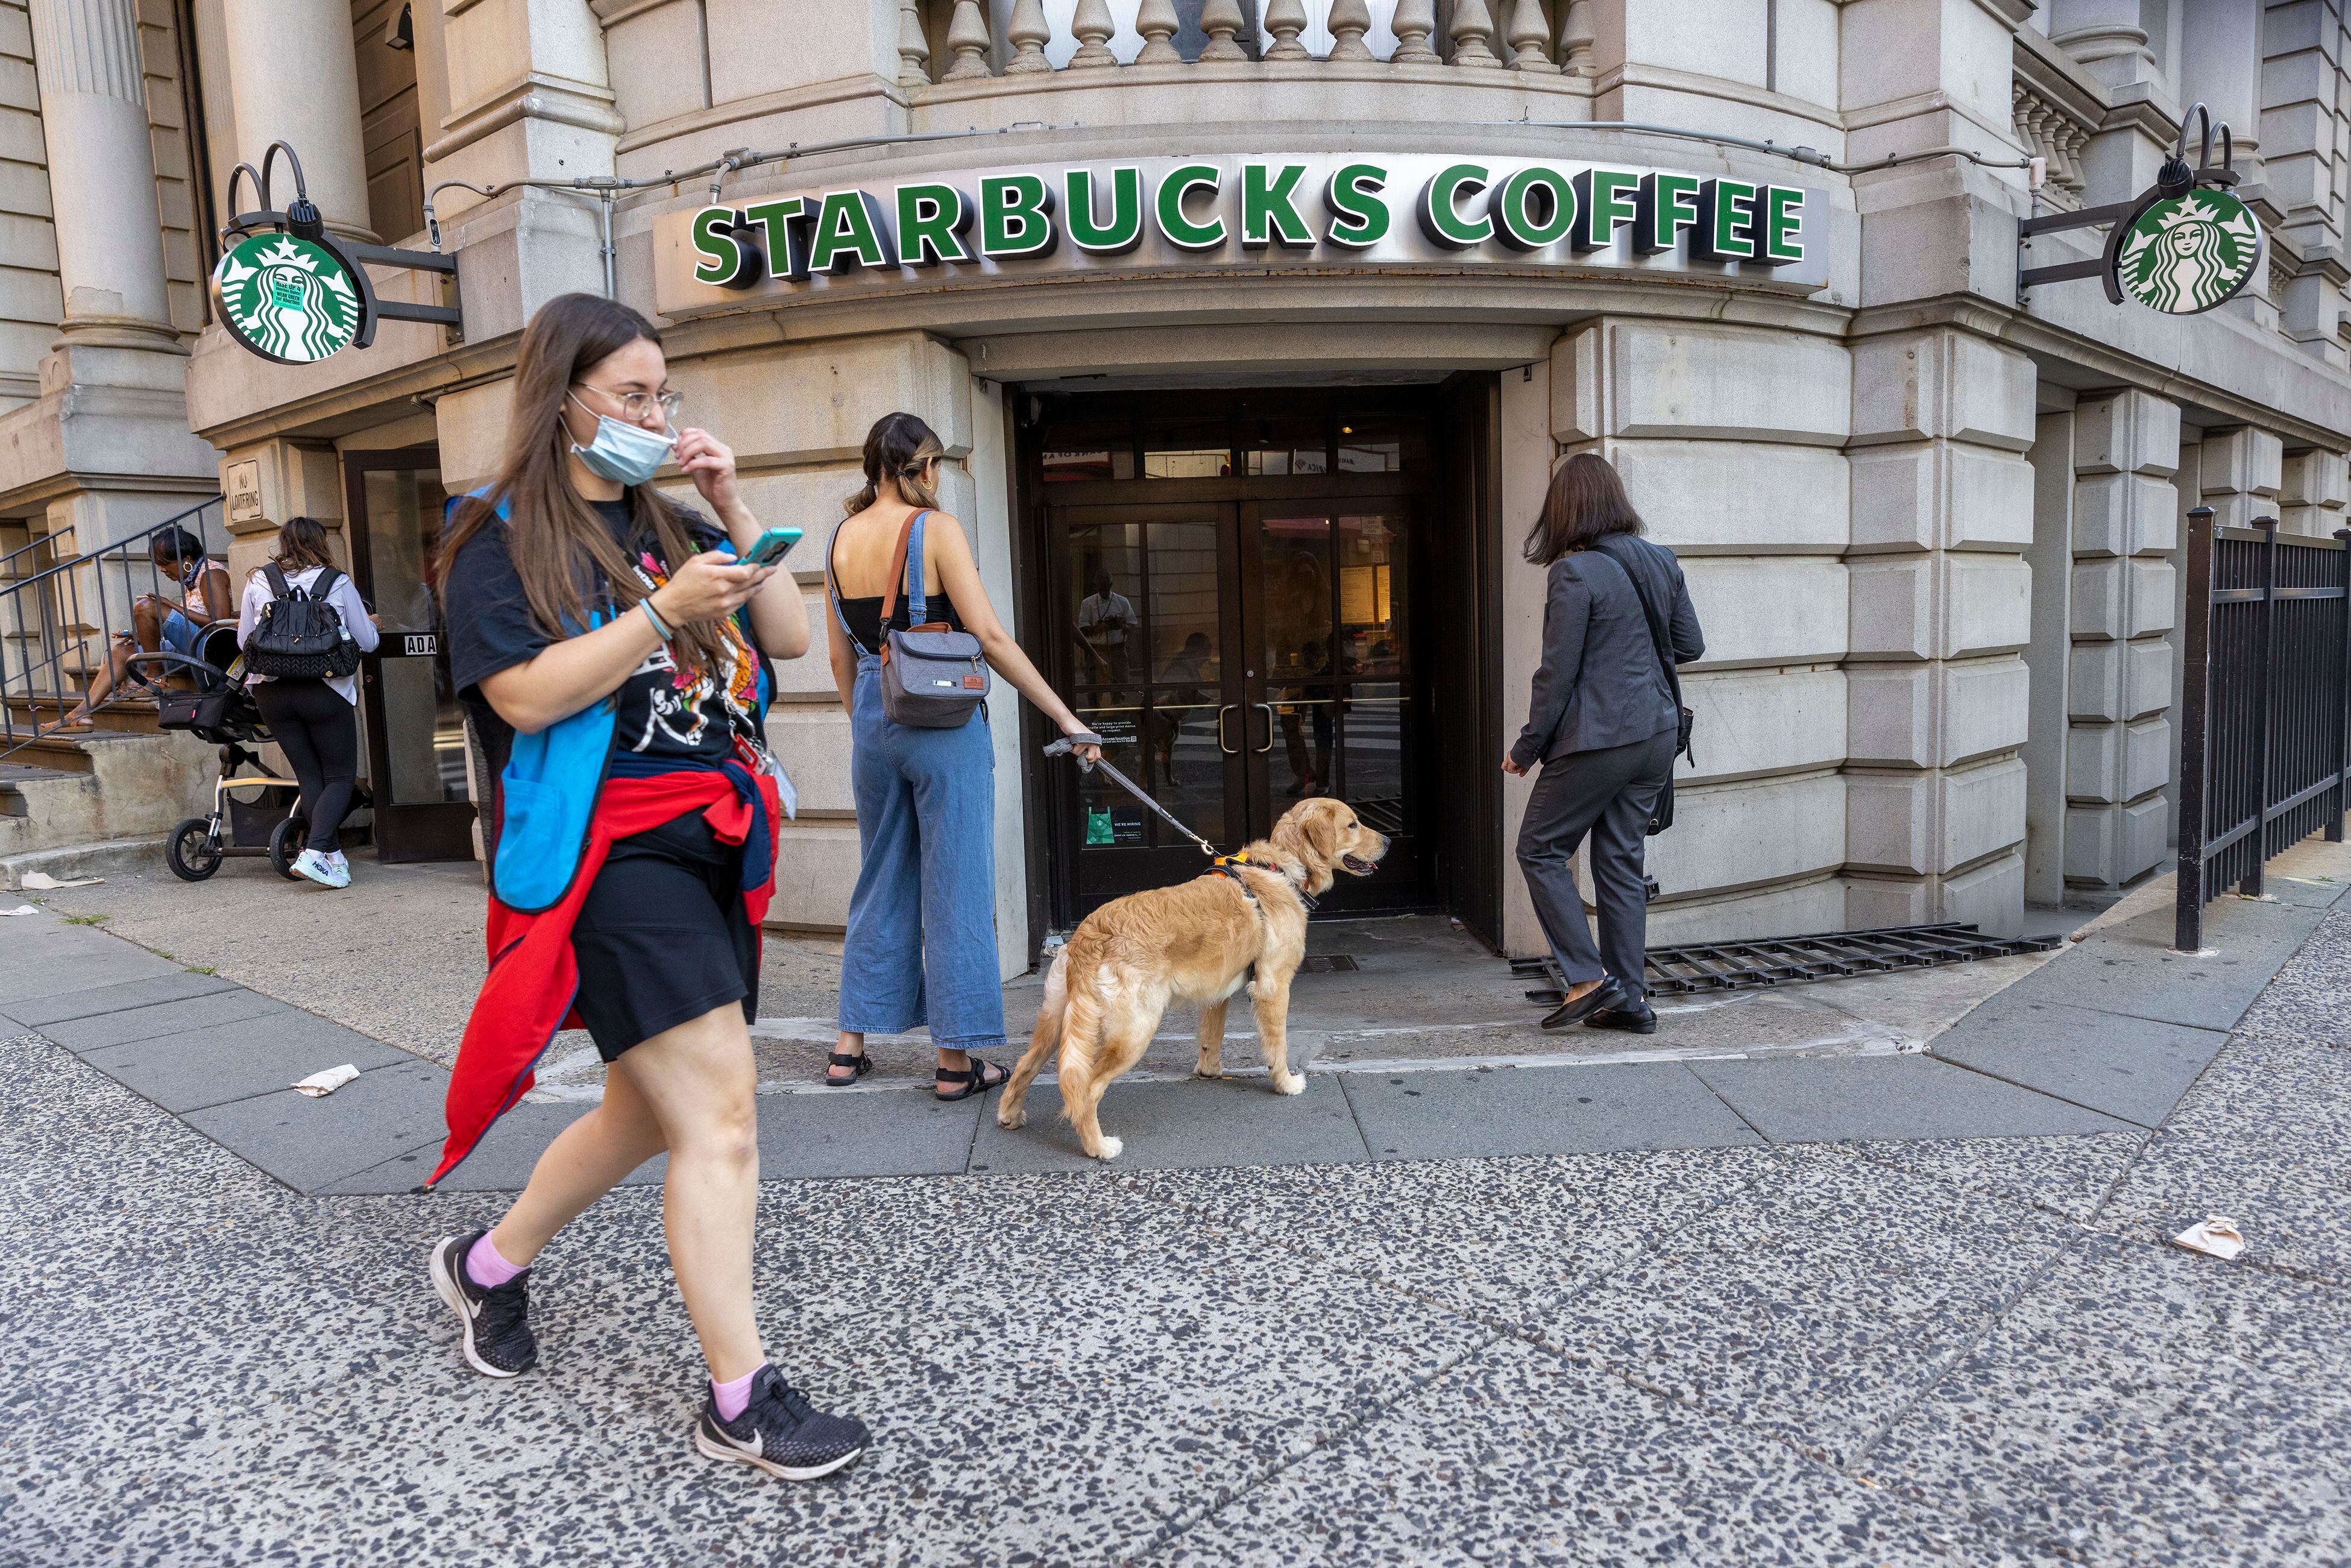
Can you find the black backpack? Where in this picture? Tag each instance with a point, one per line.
(301, 636)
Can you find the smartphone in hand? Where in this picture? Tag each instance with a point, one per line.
(771, 546)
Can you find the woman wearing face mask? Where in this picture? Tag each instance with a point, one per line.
(613, 659)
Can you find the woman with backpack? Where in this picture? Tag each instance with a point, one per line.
(311, 717)
(1605, 725)
(921, 944)
(612, 656)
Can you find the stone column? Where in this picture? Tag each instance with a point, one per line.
(1729, 439)
(294, 74)
(2118, 744)
(101, 176)
(1942, 513)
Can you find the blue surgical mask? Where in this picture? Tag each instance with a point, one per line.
(623, 453)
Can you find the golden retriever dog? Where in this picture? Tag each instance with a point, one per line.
(1198, 942)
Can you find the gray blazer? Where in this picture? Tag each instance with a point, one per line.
(1600, 684)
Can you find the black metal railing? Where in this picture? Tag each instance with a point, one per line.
(2265, 707)
(59, 622)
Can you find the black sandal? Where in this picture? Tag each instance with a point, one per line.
(862, 1061)
(975, 1080)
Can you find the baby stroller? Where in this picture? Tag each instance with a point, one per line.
(253, 811)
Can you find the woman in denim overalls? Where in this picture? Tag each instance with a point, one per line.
(921, 948)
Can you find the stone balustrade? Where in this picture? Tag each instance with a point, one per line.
(1032, 37)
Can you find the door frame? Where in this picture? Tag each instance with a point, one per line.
(442, 830)
(1046, 794)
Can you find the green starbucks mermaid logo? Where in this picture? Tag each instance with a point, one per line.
(2191, 252)
(286, 299)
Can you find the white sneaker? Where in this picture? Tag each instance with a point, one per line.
(342, 867)
(315, 867)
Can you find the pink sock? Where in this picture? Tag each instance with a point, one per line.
(733, 1398)
(486, 1268)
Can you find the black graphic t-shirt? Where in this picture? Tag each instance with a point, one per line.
(660, 712)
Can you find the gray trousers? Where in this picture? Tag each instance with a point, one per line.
(1607, 794)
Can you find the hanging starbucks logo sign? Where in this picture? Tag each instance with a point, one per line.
(2188, 252)
(287, 298)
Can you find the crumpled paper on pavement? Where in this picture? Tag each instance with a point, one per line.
(320, 1084)
(2218, 1237)
(21, 909)
(42, 882)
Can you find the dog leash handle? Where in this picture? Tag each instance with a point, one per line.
(1070, 743)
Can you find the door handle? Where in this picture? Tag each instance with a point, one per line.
(1268, 727)
(1227, 750)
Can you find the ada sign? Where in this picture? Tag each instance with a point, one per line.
(2188, 252)
(288, 299)
(1242, 213)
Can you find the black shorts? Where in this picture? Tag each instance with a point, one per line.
(663, 938)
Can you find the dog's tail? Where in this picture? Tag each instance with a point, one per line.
(1079, 1024)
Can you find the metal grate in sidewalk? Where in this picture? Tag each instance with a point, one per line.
(1794, 960)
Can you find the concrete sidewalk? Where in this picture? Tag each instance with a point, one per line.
(2104, 1037)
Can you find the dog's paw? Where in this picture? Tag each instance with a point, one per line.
(1289, 1083)
(1111, 1148)
(1011, 1118)
(1208, 1070)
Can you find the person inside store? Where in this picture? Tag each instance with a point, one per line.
(1104, 618)
(314, 720)
(612, 653)
(920, 949)
(1604, 724)
(159, 621)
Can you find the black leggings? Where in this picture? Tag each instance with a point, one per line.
(321, 738)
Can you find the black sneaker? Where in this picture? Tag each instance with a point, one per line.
(498, 1341)
(781, 1432)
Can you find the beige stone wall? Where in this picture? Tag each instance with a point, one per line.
(175, 171)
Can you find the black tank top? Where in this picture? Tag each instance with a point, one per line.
(864, 615)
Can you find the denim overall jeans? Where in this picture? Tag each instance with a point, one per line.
(921, 948)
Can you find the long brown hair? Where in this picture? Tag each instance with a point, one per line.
(559, 547)
(1586, 502)
(902, 446)
(301, 544)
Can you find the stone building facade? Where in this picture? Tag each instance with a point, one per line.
(1931, 524)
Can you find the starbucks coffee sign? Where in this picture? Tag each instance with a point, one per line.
(1242, 214)
(287, 298)
(2185, 254)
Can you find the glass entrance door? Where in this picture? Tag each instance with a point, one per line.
(415, 728)
(1236, 658)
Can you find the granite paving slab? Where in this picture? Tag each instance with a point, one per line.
(868, 1133)
(1518, 1457)
(2066, 1175)
(191, 1069)
(307, 1144)
(1186, 1122)
(1815, 1100)
(2201, 1406)
(1540, 1111)
(40, 1011)
(2265, 1139)
(2130, 968)
(87, 1034)
(71, 961)
(2311, 997)
(500, 1163)
(1488, 1237)
(2131, 1067)
(1816, 1308)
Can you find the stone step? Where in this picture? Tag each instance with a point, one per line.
(122, 716)
(20, 784)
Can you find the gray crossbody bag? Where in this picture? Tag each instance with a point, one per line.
(932, 676)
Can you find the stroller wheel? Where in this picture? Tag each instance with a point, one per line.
(192, 852)
(285, 843)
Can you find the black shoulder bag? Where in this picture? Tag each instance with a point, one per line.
(1663, 817)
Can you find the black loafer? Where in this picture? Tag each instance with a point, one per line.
(1641, 1020)
(1607, 994)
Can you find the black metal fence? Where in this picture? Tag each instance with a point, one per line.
(2265, 714)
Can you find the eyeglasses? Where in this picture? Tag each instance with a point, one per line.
(636, 406)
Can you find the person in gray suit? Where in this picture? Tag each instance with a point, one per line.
(1604, 724)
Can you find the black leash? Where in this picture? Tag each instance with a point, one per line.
(1224, 865)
